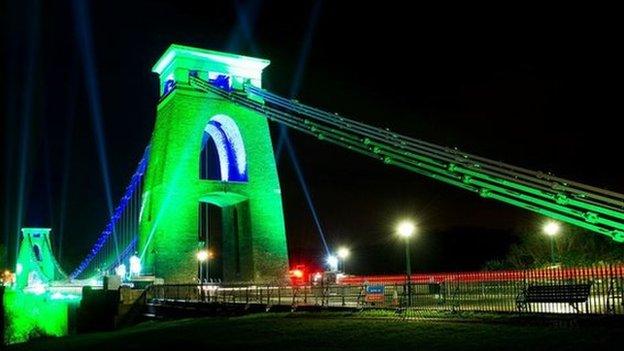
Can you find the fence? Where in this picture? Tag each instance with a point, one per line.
(591, 290)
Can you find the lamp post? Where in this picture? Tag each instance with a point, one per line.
(135, 265)
(551, 229)
(406, 229)
(121, 271)
(202, 256)
(332, 262)
(343, 253)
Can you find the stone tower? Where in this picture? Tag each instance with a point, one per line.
(36, 264)
(211, 181)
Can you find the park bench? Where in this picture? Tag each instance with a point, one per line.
(572, 294)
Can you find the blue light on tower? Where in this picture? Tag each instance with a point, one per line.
(230, 148)
(222, 81)
(169, 86)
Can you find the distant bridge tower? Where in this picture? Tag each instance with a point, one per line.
(211, 182)
(36, 264)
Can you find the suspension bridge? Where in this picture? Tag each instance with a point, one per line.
(208, 180)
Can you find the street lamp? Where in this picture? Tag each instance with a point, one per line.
(121, 271)
(343, 253)
(135, 265)
(332, 262)
(202, 256)
(551, 229)
(406, 230)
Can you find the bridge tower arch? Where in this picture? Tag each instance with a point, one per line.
(36, 264)
(179, 191)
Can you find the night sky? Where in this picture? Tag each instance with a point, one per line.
(534, 87)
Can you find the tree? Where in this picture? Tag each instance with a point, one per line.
(573, 247)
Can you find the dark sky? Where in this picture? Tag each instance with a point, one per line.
(534, 87)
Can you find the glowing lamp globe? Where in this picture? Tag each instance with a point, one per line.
(406, 229)
(202, 255)
(332, 262)
(551, 228)
(135, 265)
(121, 270)
(343, 253)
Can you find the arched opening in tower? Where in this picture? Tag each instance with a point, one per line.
(222, 154)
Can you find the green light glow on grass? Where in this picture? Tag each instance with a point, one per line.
(30, 310)
(28, 316)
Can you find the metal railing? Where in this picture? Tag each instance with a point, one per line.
(478, 292)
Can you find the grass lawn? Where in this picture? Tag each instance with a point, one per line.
(301, 331)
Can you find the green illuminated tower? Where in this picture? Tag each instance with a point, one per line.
(36, 263)
(211, 182)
